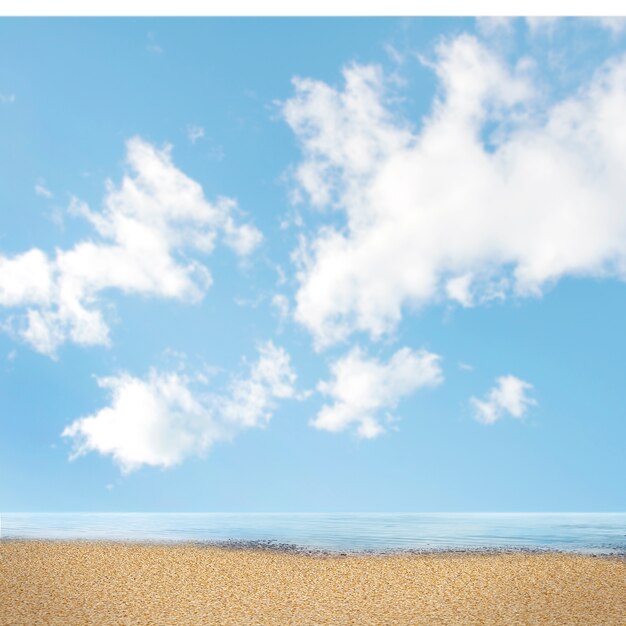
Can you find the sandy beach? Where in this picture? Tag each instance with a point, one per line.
(114, 583)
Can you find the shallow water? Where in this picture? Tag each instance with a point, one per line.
(590, 533)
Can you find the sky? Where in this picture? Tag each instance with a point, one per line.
(312, 264)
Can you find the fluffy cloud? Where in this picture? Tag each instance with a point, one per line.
(146, 229)
(508, 396)
(25, 278)
(496, 194)
(156, 421)
(168, 416)
(362, 387)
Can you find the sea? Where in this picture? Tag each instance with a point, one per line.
(586, 533)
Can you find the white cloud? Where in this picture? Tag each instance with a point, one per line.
(243, 239)
(43, 191)
(156, 421)
(169, 416)
(250, 401)
(363, 387)
(458, 288)
(147, 228)
(508, 396)
(194, 133)
(495, 195)
(7, 98)
(394, 54)
(25, 279)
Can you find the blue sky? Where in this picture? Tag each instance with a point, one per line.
(312, 264)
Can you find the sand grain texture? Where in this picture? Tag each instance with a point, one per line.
(107, 583)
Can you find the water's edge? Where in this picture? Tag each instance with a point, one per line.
(359, 533)
(301, 550)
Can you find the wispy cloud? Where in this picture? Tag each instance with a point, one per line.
(495, 25)
(280, 302)
(195, 133)
(508, 396)
(7, 98)
(42, 190)
(547, 25)
(542, 24)
(152, 44)
(614, 24)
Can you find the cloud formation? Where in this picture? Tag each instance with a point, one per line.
(508, 396)
(42, 190)
(363, 387)
(166, 417)
(497, 194)
(145, 232)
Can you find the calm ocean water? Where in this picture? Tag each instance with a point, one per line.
(596, 533)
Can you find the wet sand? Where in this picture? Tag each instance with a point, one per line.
(114, 583)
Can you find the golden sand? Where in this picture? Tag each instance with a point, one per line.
(112, 583)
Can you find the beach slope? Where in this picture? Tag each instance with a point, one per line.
(115, 583)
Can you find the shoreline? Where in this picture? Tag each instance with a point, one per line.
(262, 545)
(95, 582)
